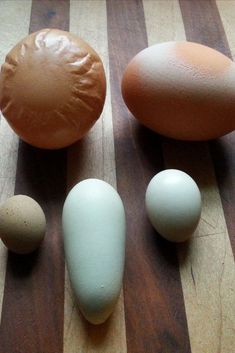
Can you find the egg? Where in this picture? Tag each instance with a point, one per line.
(94, 241)
(173, 204)
(52, 88)
(22, 224)
(182, 90)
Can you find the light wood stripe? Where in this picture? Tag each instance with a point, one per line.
(14, 24)
(93, 157)
(227, 14)
(168, 25)
(206, 263)
(154, 308)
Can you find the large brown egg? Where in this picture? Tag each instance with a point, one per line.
(182, 90)
(52, 88)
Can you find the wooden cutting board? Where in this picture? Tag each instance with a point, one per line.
(175, 298)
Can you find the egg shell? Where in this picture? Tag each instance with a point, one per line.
(52, 88)
(173, 204)
(22, 224)
(182, 90)
(94, 242)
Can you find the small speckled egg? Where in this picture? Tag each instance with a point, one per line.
(22, 224)
(173, 204)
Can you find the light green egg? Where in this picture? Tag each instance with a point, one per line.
(94, 241)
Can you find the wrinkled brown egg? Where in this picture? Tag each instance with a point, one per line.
(182, 90)
(52, 88)
(22, 224)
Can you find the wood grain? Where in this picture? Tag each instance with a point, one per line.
(208, 17)
(93, 157)
(49, 14)
(223, 150)
(154, 308)
(177, 298)
(203, 24)
(14, 24)
(206, 263)
(168, 24)
(227, 17)
(32, 310)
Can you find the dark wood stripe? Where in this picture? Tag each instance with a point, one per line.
(49, 14)
(154, 306)
(203, 24)
(33, 303)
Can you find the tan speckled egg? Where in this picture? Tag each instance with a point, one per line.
(52, 88)
(182, 90)
(22, 224)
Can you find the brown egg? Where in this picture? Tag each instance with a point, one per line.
(22, 224)
(182, 90)
(52, 88)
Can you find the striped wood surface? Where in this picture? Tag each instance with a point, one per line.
(177, 299)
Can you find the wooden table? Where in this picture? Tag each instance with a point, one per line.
(175, 298)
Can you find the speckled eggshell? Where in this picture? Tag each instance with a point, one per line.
(182, 90)
(52, 88)
(173, 204)
(22, 224)
(94, 242)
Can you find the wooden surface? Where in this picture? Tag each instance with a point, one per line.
(175, 298)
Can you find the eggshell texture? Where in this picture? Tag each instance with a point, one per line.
(52, 88)
(182, 90)
(22, 224)
(173, 204)
(94, 241)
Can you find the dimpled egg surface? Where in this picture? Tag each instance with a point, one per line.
(22, 224)
(182, 90)
(52, 88)
(94, 241)
(173, 204)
